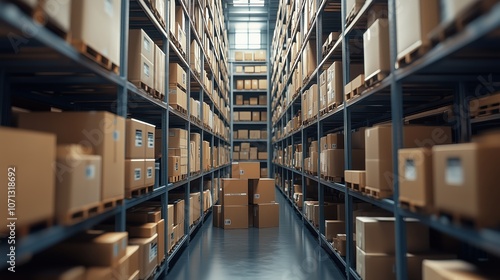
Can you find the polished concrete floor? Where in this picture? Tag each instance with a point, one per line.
(288, 252)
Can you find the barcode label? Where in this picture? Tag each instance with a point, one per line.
(138, 138)
(454, 172)
(227, 222)
(410, 170)
(137, 174)
(146, 69)
(153, 251)
(151, 140)
(149, 172)
(90, 172)
(147, 45)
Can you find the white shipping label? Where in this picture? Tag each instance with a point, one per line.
(153, 252)
(454, 172)
(137, 174)
(176, 166)
(147, 45)
(116, 135)
(227, 222)
(138, 138)
(116, 249)
(90, 172)
(242, 171)
(410, 170)
(149, 172)
(146, 69)
(151, 140)
(256, 196)
(108, 7)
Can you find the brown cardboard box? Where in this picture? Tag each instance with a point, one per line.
(178, 210)
(238, 56)
(59, 16)
(179, 232)
(249, 170)
(263, 116)
(262, 155)
(195, 206)
(248, 84)
(332, 162)
(102, 131)
(416, 20)
(248, 56)
(374, 266)
(236, 116)
(142, 230)
(141, 70)
(376, 235)
(254, 101)
(379, 150)
(255, 84)
(243, 134)
(217, 221)
(305, 105)
(134, 174)
(234, 191)
(177, 76)
(266, 215)
(358, 139)
(334, 85)
(178, 139)
(148, 254)
(93, 248)
(206, 155)
(32, 153)
(254, 134)
(263, 134)
(256, 116)
(260, 55)
(141, 56)
(376, 49)
(261, 191)
(263, 99)
(244, 155)
(144, 215)
(132, 252)
(79, 181)
(159, 69)
(249, 69)
(239, 86)
(262, 84)
(335, 141)
(160, 229)
(149, 138)
(245, 116)
(451, 269)
(236, 155)
(468, 172)
(239, 99)
(86, 29)
(235, 217)
(239, 69)
(253, 154)
(330, 212)
(177, 96)
(332, 228)
(309, 58)
(263, 173)
(416, 181)
(135, 133)
(149, 172)
(174, 166)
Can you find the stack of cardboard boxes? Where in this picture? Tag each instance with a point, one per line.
(254, 84)
(176, 226)
(177, 152)
(177, 96)
(258, 55)
(247, 200)
(246, 152)
(177, 26)
(139, 155)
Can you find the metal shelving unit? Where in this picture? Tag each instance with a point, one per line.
(110, 92)
(445, 75)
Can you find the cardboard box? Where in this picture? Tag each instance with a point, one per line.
(141, 55)
(248, 56)
(266, 215)
(416, 20)
(253, 154)
(249, 69)
(135, 142)
(177, 97)
(196, 138)
(160, 229)
(353, 7)
(142, 230)
(379, 167)
(218, 219)
(195, 207)
(256, 116)
(243, 134)
(149, 172)
(245, 146)
(330, 212)
(323, 92)
(132, 252)
(332, 162)
(239, 69)
(234, 191)
(79, 181)
(86, 29)
(236, 116)
(255, 84)
(334, 85)
(260, 55)
(159, 69)
(144, 215)
(174, 166)
(178, 139)
(245, 116)
(149, 138)
(103, 131)
(452, 269)
(239, 86)
(340, 244)
(263, 134)
(244, 155)
(236, 155)
(134, 174)
(263, 173)
(179, 232)
(95, 248)
(332, 228)
(249, 170)
(309, 58)
(467, 172)
(263, 100)
(254, 134)
(239, 99)
(376, 49)
(377, 235)
(415, 185)
(235, 217)
(247, 84)
(177, 76)
(262, 84)
(262, 155)
(59, 16)
(148, 254)
(254, 101)
(374, 266)
(178, 204)
(238, 56)
(263, 116)
(261, 191)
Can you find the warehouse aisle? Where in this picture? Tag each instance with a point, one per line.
(288, 252)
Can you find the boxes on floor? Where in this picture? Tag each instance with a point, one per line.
(266, 215)
(235, 217)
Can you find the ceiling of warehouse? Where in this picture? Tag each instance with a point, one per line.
(255, 13)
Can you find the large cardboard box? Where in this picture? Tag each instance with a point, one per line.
(177, 138)
(416, 179)
(196, 138)
(451, 269)
(149, 144)
(468, 172)
(379, 167)
(249, 170)
(375, 266)
(79, 183)
(195, 207)
(261, 191)
(332, 162)
(263, 116)
(142, 230)
(134, 174)
(245, 116)
(262, 84)
(102, 131)
(243, 134)
(148, 254)
(141, 57)
(135, 141)
(85, 29)
(29, 156)
(377, 235)
(262, 155)
(178, 210)
(234, 191)
(266, 215)
(58, 12)
(376, 49)
(177, 76)
(235, 217)
(260, 55)
(415, 19)
(177, 97)
(332, 228)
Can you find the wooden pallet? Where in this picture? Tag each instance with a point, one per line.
(138, 192)
(80, 214)
(412, 206)
(149, 90)
(174, 179)
(111, 203)
(375, 79)
(448, 29)
(376, 193)
(463, 220)
(179, 109)
(95, 56)
(486, 110)
(334, 179)
(412, 56)
(25, 230)
(153, 273)
(355, 187)
(159, 95)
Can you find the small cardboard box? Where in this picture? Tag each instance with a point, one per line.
(239, 69)
(255, 116)
(234, 191)
(263, 116)
(244, 155)
(245, 116)
(239, 98)
(236, 116)
(261, 191)
(254, 101)
(266, 215)
(248, 84)
(235, 217)
(134, 174)
(177, 76)
(248, 56)
(262, 155)
(135, 141)
(262, 84)
(332, 228)
(148, 254)
(254, 134)
(376, 49)
(255, 84)
(249, 69)
(146, 230)
(238, 56)
(239, 86)
(263, 99)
